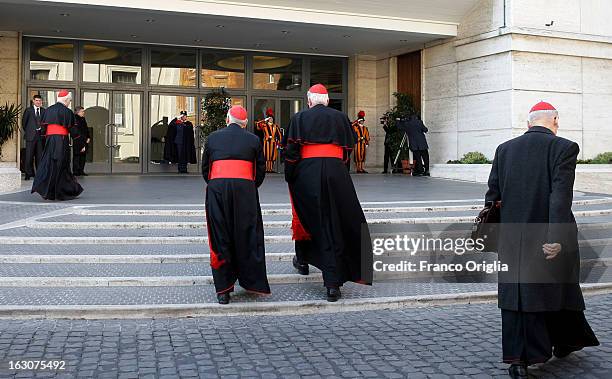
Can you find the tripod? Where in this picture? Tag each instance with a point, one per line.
(404, 142)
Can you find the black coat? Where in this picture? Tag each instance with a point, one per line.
(30, 125)
(171, 153)
(79, 133)
(233, 214)
(533, 176)
(415, 130)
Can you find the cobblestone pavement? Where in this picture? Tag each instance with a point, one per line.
(436, 342)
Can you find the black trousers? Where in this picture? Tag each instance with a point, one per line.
(33, 154)
(78, 163)
(181, 155)
(529, 337)
(421, 159)
(388, 158)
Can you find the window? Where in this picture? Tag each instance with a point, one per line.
(112, 64)
(277, 73)
(51, 61)
(222, 70)
(173, 68)
(164, 108)
(328, 72)
(336, 104)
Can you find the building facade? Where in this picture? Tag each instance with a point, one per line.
(473, 67)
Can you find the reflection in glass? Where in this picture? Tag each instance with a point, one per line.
(164, 108)
(51, 61)
(49, 97)
(222, 70)
(277, 73)
(97, 112)
(173, 68)
(112, 64)
(336, 104)
(126, 117)
(328, 72)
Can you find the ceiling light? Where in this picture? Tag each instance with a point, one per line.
(347, 36)
(285, 32)
(314, 48)
(149, 20)
(403, 40)
(58, 30)
(133, 36)
(220, 26)
(197, 40)
(64, 14)
(258, 44)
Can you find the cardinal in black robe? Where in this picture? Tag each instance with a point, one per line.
(180, 143)
(540, 297)
(234, 167)
(329, 226)
(54, 180)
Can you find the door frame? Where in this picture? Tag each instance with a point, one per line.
(110, 167)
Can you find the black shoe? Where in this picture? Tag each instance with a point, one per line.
(564, 351)
(223, 298)
(27, 177)
(518, 371)
(364, 172)
(333, 294)
(417, 174)
(301, 268)
(426, 173)
(84, 174)
(385, 172)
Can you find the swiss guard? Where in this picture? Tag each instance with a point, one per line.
(54, 180)
(233, 165)
(271, 137)
(329, 227)
(180, 144)
(363, 141)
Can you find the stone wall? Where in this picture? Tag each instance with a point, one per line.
(372, 82)
(9, 83)
(479, 86)
(10, 42)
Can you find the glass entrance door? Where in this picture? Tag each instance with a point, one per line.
(115, 121)
(283, 109)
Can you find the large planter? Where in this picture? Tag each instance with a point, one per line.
(589, 177)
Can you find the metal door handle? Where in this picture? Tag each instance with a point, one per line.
(107, 135)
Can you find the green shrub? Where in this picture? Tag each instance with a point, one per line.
(473, 157)
(603, 158)
(9, 114)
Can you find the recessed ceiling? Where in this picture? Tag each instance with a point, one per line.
(189, 29)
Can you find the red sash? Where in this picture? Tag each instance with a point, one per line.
(232, 169)
(55, 129)
(326, 150)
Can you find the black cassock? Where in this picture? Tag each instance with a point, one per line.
(329, 226)
(79, 133)
(541, 300)
(54, 180)
(233, 214)
(185, 153)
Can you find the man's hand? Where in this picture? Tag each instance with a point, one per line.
(82, 150)
(551, 250)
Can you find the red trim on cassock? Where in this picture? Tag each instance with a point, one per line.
(215, 263)
(299, 232)
(56, 129)
(232, 169)
(323, 150)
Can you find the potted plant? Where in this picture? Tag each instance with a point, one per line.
(403, 109)
(215, 106)
(9, 116)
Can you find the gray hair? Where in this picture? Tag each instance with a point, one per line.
(233, 120)
(542, 115)
(318, 98)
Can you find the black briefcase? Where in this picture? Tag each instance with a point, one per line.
(486, 225)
